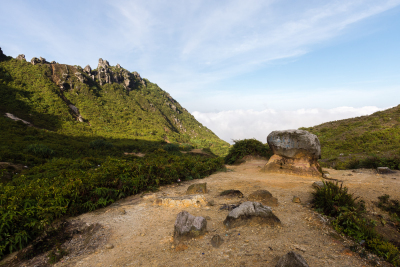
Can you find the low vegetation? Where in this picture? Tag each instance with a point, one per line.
(368, 141)
(348, 217)
(246, 147)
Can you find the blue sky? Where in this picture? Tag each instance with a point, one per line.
(234, 64)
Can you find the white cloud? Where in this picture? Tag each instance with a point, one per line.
(242, 124)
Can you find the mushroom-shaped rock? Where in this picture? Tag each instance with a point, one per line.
(291, 259)
(295, 152)
(189, 226)
(249, 213)
(21, 57)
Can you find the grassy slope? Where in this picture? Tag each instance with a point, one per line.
(376, 135)
(28, 91)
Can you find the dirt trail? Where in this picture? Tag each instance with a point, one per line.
(142, 236)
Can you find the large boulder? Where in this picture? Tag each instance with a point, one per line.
(292, 259)
(295, 152)
(249, 213)
(189, 226)
(21, 57)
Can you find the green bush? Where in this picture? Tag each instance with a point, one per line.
(64, 187)
(171, 147)
(40, 150)
(100, 144)
(246, 147)
(335, 201)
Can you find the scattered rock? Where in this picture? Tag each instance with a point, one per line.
(185, 201)
(291, 259)
(250, 213)
(189, 226)
(347, 174)
(21, 57)
(216, 241)
(109, 246)
(296, 152)
(229, 206)
(211, 203)
(384, 170)
(197, 189)
(232, 193)
(122, 211)
(264, 197)
(296, 199)
(326, 176)
(208, 218)
(318, 185)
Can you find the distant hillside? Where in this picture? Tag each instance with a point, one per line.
(107, 102)
(375, 136)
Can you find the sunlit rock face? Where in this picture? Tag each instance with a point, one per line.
(296, 152)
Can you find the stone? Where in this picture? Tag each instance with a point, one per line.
(326, 176)
(53, 62)
(264, 197)
(185, 201)
(211, 203)
(384, 170)
(197, 189)
(35, 61)
(229, 206)
(87, 69)
(318, 185)
(43, 60)
(231, 193)
(249, 213)
(216, 241)
(296, 199)
(188, 226)
(21, 57)
(109, 246)
(296, 152)
(121, 211)
(292, 259)
(118, 66)
(1, 53)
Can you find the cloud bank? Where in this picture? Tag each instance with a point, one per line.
(241, 124)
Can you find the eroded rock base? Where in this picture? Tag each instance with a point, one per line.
(294, 166)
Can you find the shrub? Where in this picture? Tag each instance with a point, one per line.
(100, 144)
(40, 150)
(334, 200)
(171, 147)
(246, 147)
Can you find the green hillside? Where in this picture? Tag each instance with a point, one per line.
(366, 141)
(107, 102)
(70, 140)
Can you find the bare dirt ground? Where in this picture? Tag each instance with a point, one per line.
(139, 233)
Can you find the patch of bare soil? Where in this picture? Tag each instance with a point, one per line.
(139, 233)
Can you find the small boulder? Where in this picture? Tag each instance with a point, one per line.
(296, 199)
(216, 241)
(197, 189)
(384, 170)
(292, 259)
(264, 197)
(189, 226)
(232, 193)
(250, 213)
(318, 185)
(327, 176)
(21, 57)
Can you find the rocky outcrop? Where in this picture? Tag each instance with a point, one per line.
(75, 110)
(87, 69)
(249, 213)
(36, 60)
(296, 152)
(21, 57)
(188, 226)
(292, 259)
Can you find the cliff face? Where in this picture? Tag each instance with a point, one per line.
(107, 101)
